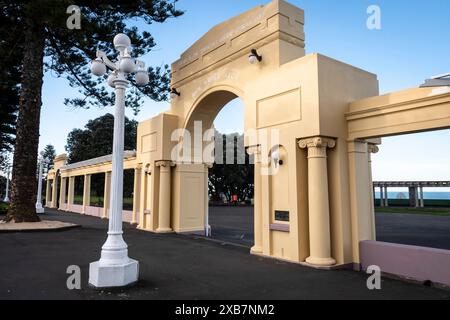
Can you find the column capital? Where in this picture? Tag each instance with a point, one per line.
(317, 142)
(208, 165)
(373, 148)
(165, 163)
(255, 151)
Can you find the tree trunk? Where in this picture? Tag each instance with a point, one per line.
(24, 180)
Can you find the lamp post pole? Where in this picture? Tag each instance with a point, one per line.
(115, 268)
(6, 199)
(39, 207)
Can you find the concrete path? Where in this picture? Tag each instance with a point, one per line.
(33, 266)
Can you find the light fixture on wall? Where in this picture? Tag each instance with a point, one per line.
(277, 158)
(254, 57)
(174, 93)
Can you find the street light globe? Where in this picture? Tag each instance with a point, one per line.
(112, 77)
(127, 64)
(122, 41)
(98, 68)
(142, 78)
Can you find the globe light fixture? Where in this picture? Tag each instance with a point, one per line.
(115, 268)
(127, 64)
(254, 57)
(98, 68)
(142, 78)
(121, 42)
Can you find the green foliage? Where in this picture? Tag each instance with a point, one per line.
(425, 211)
(11, 57)
(231, 179)
(3, 208)
(96, 140)
(50, 154)
(69, 52)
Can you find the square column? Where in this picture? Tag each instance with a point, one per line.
(136, 195)
(48, 193)
(165, 170)
(372, 149)
(258, 224)
(318, 199)
(55, 193)
(413, 197)
(71, 192)
(362, 215)
(86, 192)
(422, 200)
(386, 197)
(145, 195)
(62, 195)
(106, 195)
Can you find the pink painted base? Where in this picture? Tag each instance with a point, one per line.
(411, 262)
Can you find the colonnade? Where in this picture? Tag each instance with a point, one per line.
(67, 192)
(416, 196)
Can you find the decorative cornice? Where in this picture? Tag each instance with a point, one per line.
(317, 142)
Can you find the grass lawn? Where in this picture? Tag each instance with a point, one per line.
(97, 201)
(425, 211)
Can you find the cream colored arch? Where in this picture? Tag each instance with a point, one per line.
(220, 94)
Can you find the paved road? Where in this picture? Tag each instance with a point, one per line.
(236, 225)
(33, 266)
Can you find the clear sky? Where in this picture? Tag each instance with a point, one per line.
(413, 44)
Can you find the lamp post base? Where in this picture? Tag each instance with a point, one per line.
(103, 275)
(39, 208)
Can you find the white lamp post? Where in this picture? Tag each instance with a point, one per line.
(115, 268)
(6, 199)
(42, 160)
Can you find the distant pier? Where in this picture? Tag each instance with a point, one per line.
(415, 188)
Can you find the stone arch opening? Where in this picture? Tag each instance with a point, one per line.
(228, 169)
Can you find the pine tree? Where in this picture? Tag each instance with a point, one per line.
(47, 44)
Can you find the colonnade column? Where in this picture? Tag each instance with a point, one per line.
(71, 192)
(319, 208)
(258, 224)
(136, 195)
(62, 195)
(381, 197)
(55, 192)
(362, 217)
(422, 200)
(47, 193)
(372, 149)
(386, 197)
(86, 192)
(165, 168)
(106, 195)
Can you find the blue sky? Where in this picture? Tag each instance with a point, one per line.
(412, 45)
